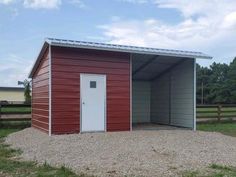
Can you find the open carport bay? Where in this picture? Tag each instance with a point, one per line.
(163, 90)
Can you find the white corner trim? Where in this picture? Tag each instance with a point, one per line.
(131, 102)
(80, 103)
(50, 92)
(194, 94)
(105, 103)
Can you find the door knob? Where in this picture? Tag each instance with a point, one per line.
(83, 102)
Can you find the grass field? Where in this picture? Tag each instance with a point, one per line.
(213, 170)
(224, 127)
(11, 166)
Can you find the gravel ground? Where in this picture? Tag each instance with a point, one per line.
(137, 153)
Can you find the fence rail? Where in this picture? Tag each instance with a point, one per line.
(218, 112)
(15, 112)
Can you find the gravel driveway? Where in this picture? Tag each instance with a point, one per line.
(137, 153)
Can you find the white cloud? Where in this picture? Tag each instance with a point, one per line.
(207, 25)
(135, 1)
(6, 1)
(39, 4)
(79, 3)
(200, 7)
(230, 20)
(44, 4)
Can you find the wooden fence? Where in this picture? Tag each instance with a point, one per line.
(218, 112)
(15, 112)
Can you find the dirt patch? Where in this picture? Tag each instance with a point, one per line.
(137, 153)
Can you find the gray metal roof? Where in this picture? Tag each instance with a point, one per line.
(126, 48)
(117, 48)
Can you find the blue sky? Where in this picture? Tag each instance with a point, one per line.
(204, 25)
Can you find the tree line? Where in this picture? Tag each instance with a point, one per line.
(217, 83)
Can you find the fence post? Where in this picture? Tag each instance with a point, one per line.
(219, 112)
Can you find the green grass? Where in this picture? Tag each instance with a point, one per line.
(5, 132)
(213, 170)
(15, 109)
(7, 127)
(226, 127)
(11, 166)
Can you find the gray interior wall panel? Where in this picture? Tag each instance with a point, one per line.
(160, 105)
(167, 100)
(141, 102)
(172, 96)
(182, 94)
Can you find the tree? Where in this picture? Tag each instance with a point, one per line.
(217, 83)
(218, 92)
(27, 91)
(231, 84)
(203, 74)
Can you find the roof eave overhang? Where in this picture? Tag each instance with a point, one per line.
(48, 42)
(131, 51)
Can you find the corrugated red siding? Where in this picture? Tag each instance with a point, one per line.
(40, 95)
(67, 64)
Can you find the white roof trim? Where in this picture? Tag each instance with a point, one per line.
(126, 48)
(118, 48)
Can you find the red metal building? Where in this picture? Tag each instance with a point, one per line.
(83, 86)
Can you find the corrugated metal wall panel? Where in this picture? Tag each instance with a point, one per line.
(40, 95)
(172, 96)
(182, 94)
(67, 64)
(141, 92)
(160, 97)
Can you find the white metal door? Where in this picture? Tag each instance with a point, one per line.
(93, 101)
